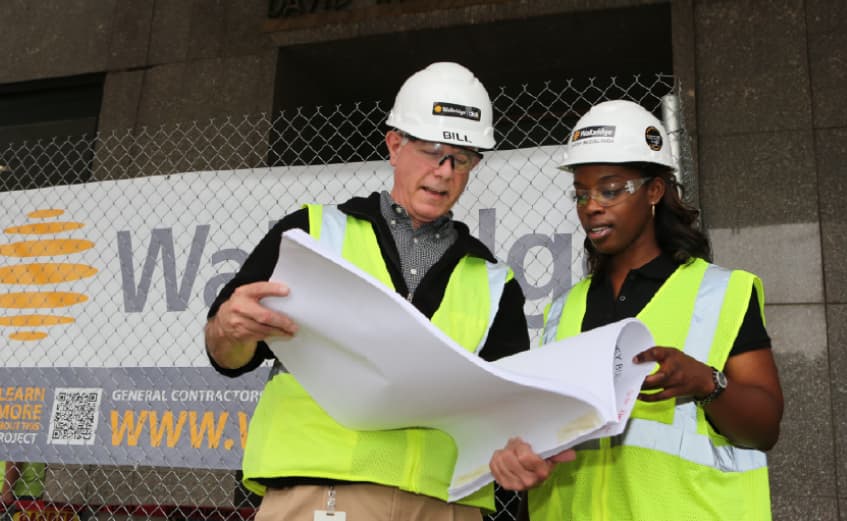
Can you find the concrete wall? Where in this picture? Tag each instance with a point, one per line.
(772, 142)
(166, 61)
(764, 99)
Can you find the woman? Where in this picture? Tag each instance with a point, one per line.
(694, 446)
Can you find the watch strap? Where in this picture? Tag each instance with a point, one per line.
(720, 384)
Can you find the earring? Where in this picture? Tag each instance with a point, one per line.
(653, 209)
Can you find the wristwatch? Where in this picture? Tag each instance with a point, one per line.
(720, 384)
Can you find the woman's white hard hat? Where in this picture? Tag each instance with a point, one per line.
(618, 131)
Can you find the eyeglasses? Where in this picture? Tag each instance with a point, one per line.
(609, 194)
(462, 160)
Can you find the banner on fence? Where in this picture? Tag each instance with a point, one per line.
(105, 286)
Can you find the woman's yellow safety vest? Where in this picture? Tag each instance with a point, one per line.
(669, 464)
(291, 435)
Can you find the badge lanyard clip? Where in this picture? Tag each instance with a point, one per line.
(330, 514)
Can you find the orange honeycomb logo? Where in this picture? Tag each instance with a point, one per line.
(37, 309)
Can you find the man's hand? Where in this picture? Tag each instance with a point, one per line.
(518, 467)
(241, 322)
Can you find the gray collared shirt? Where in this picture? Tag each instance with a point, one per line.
(419, 249)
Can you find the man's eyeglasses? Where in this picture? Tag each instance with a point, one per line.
(609, 194)
(461, 159)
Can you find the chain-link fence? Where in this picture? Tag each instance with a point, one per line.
(115, 245)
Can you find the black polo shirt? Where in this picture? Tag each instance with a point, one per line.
(639, 287)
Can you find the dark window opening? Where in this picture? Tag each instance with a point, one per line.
(542, 73)
(47, 131)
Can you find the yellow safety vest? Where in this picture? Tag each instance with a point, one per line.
(669, 464)
(291, 435)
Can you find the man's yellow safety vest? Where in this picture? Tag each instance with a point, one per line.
(291, 435)
(669, 464)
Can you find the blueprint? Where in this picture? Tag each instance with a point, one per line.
(373, 361)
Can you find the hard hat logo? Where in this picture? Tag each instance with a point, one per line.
(653, 138)
(606, 131)
(440, 108)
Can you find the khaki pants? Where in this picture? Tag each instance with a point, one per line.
(361, 502)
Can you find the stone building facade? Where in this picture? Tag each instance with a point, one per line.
(762, 86)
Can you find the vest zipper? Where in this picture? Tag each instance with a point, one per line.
(415, 447)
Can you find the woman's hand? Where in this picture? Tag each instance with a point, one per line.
(678, 375)
(748, 412)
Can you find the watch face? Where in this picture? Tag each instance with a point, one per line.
(720, 379)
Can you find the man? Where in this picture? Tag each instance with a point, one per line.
(306, 464)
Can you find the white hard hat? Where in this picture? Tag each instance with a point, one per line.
(618, 131)
(444, 103)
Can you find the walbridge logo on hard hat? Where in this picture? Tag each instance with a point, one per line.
(30, 312)
(440, 108)
(604, 131)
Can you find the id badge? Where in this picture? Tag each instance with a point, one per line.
(325, 515)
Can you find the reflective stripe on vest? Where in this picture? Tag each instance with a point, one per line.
(333, 227)
(682, 439)
(688, 445)
(498, 275)
(555, 316)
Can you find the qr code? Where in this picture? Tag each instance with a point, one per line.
(74, 417)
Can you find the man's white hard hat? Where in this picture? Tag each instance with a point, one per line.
(444, 103)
